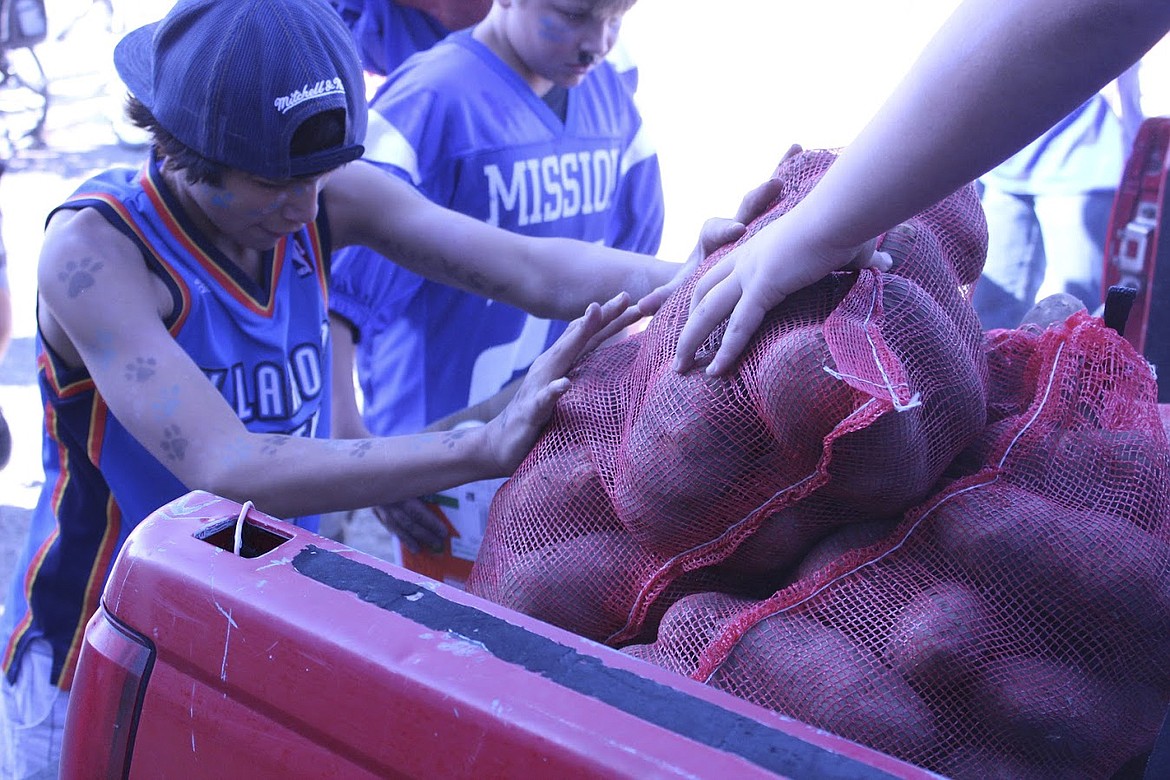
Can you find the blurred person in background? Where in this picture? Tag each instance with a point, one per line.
(388, 31)
(1048, 208)
(5, 337)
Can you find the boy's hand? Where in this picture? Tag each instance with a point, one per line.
(757, 276)
(716, 232)
(514, 431)
(416, 526)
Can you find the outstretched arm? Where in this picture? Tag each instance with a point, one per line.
(995, 76)
(111, 319)
(410, 520)
(547, 277)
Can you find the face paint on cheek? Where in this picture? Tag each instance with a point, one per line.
(553, 30)
(222, 199)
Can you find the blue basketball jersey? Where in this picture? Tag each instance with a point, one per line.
(264, 346)
(471, 135)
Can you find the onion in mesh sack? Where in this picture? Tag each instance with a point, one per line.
(938, 638)
(1051, 310)
(813, 673)
(780, 549)
(690, 455)
(843, 540)
(1062, 718)
(687, 628)
(1105, 581)
(556, 496)
(585, 585)
(1096, 468)
(798, 396)
(701, 453)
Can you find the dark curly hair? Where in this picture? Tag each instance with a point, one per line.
(319, 132)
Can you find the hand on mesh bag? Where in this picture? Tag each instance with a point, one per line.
(715, 233)
(512, 433)
(785, 256)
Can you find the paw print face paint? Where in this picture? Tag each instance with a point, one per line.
(223, 199)
(295, 192)
(79, 275)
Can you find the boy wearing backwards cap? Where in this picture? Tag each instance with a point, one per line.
(183, 322)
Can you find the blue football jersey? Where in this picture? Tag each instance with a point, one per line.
(467, 131)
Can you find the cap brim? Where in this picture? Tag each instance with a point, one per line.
(327, 160)
(134, 60)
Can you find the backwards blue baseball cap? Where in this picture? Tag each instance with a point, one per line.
(234, 79)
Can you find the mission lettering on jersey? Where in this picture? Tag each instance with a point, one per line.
(553, 187)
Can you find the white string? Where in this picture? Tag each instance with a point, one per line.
(887, 383)
(240, 527)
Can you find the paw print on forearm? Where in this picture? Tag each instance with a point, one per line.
(141, 369)
(273, 444)
(174, 443)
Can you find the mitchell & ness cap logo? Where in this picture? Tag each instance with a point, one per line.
(331, 86)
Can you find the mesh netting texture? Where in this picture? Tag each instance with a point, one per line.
(948, 546)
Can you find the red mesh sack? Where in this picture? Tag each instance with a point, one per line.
(1017, 622)
(847, 406)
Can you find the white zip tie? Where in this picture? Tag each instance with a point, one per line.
(240, 527)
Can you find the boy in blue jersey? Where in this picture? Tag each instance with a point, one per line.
(183, 325)
(520, 122)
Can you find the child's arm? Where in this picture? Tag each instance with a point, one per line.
(994, 77)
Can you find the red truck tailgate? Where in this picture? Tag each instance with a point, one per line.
(303, 657)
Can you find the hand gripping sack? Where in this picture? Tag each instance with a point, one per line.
(848, 405)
